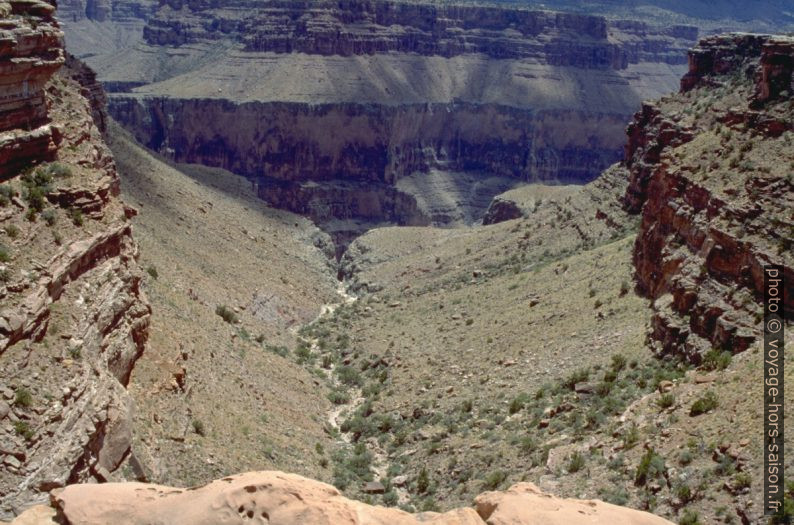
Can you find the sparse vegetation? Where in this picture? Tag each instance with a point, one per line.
(23, 397)
(226, 313)
(716, 360)
(704, 404)
(651, 466)
(24, 429)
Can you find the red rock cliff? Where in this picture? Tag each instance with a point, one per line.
(711, 174)
(73, 317)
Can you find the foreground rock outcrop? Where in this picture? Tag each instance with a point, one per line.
(710, 171)
(73, 318)
(287, 499)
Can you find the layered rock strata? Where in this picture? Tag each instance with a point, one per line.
(73, 317)
(337, 102)
(710, 172)
(30, 52)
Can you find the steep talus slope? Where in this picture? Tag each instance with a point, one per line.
(215, 398)
(73, 319)
(711, 171)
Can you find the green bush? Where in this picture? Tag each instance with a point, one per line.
(349, 376)
(278, 350)
(77, 216)
(494, 480)
(742, 480)
(518, 403)
(666, 400)
(23, 429)
(689, 517)
(651, 467)
(704, 404)
(578, 376)
(338, 397)
(716, 360)
(6, 194)
(152, 271)
(5, 253)
(23, 397)
(198, 427)
(58, 170)
(12, 231)
(575, 463)
(49, 216)
(227, 314)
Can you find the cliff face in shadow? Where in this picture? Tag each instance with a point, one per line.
(327, 106)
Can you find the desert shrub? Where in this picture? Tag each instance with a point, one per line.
(6, 194)
(518, 403)
(49, 216)
(716, 360)
(689, 517)
(618, 362)
(349, 376)
(614, 495)
(303, 353)
(527, 445)
(58, 170)
(704, 404)
(77, 216)
(742, 480)
(651, 466)
(226, 313)
(12, 231)
(684, 493)
(666, 400)
(575, 462)
(278, 350)
(23, 429)
(23, 397)
(578, 376)
(338, 397)
(494, 479)
(5, 253)
(152, 271)
(198, 427)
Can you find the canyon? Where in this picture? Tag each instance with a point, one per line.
(549, 345)
(343, 112)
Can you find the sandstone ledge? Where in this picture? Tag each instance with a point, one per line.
(286, 499)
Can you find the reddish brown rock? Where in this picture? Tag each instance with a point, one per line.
(30, 52)
(706, 237)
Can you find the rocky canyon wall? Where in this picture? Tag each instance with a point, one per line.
(328, 106)
(711, 173)
(73, 318)
(30, 52)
